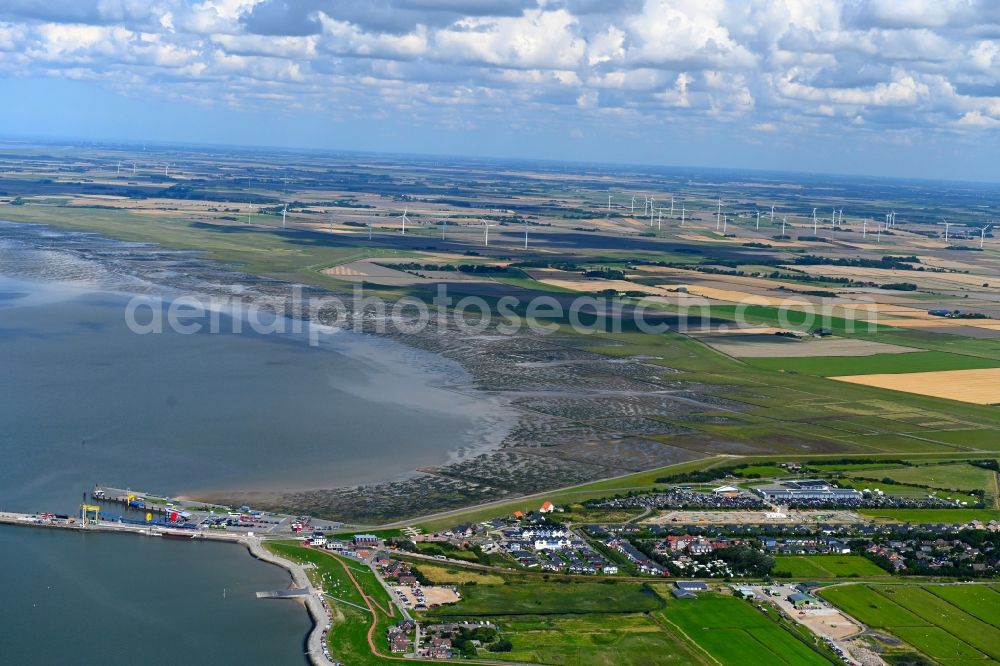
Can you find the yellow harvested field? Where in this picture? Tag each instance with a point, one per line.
(941, 322)
(924, 278)
(735, 296)
(577, 282)
(980, 387)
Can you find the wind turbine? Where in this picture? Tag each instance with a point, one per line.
(632, 211)
(683, 212)
(784, 221)
(486, 232)
(119, 172)
(815, 222)
(651, 211)
(841, 221)
(404, 219)
(671, 205)
(833, 219)
(758, 220)
(444, 225)
(284, 214)
(166, 171)
(878, 236)
(659, 219)
(725, 224)
(864, 229)
(772, 213)
(982, 235)
(609, 203)
(133, 169)
(718, 215)
(249, 213)
(947, 226)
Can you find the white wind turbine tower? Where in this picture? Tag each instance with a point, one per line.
(404, 219)
(486, 232)
(683, 212)
(758, 220)
(725, 224)
(609, 203)
(718, 215)
(632, 211)
(815, 221)
(671, 206)
(878, 236)
(982, 235)
(772, 214)
(284, 215)
(947, 227)
(650, 211)
(166, 171)
(444, 225)
(133, 169)
(841, 218)
(119, 172)
(864, 228)
(833, 219)
(659, 219)
(784, 221)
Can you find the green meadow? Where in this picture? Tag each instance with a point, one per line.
(827, 566)
(954, 627)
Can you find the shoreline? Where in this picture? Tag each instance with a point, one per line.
(548, 441)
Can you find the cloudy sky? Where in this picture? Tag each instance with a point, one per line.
(885, 87)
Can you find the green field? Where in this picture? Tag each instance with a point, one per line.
(832, 366)
(827, 566)
(951, 624)
(734, 632)
(953, 477)
(979, 439)
(918, 516)
(551, 598)
(761, 471)
(633, 639)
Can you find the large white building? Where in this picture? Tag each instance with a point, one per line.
(806, 489)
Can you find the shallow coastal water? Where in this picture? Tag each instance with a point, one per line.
(72, 598)
(84, 400)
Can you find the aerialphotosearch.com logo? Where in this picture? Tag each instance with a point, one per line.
(316, 317)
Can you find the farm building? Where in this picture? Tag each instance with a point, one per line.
(800, 600)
